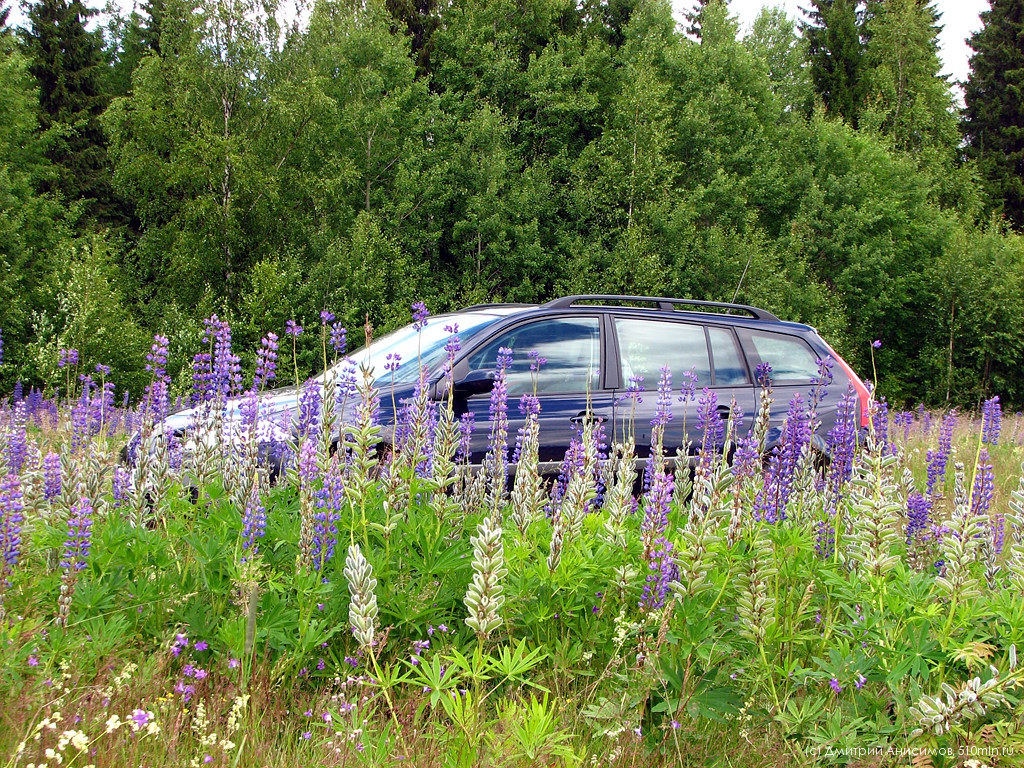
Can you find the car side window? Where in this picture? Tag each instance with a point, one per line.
(645, 346)
(570, 347)
(730, 370)
(791, 359)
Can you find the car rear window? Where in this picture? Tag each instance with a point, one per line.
(645, 346)
(792, 360)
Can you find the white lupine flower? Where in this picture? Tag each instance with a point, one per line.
(362, 612)
(483, 597)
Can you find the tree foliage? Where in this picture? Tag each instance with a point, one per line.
(367, 156)
(994, 116)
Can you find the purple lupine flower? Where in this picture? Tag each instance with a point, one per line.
(419, 315)
(101, 406)
(120, 485)
(763, 375)
(17, 438)
(52, 484)
(326, 317)
(329, 501)
(770, 504)
(392, 361)
(919, 514)
(497, 450)
(175, 452)
(102, 370)
(464, 450)
(709, 420)
(18, 391)
(452, 347)
(202, 378)
(254, 522)
(820, 382)
(880, 420)
(656, 504)
(307, 468)
(938, 459)
(79, 539)
(572, 464)
(842, 443)
(825, 538)
(67, 358)
(688, 388)
(663, 405)
(662, 571)
(293, 329)
(903, 419)
(876, 344)
(158, 387)
(34, 402)
(536, 361)
(746, 461)
(309, 409)
(984, 484)
(156, 358)
(248, 410)
(266, 361)
(834, 683)
(227, 367)
(338, 338)
(12, 516)
(998, 534)
(991, 417)
(80, 413)
(634, 387)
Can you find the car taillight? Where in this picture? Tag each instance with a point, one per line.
(861, 388)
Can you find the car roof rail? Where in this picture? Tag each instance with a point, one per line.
(665, 304)
(493, 306)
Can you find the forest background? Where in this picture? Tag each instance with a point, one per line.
(237, 157)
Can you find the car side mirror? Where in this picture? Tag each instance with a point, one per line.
(474, 383)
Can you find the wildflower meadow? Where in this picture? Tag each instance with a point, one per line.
(337, 591)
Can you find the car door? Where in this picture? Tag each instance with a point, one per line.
(568, 378)
(794, 367)
(698, 356)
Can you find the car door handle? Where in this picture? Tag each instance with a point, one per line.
(583, 416)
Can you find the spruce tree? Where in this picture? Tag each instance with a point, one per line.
(835, 54)
(67, 62)
(994, 117)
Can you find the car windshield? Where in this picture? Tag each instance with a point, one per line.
(412, 347)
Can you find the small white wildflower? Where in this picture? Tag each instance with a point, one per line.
(237, 709)
(113, 723)
(227, 745)
(80, 741)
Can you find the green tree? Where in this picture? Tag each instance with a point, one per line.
(906, 96)
(68, 65)
(775, 40)
(202, 146)
(835, 54)
(994, 116)
(32, 225)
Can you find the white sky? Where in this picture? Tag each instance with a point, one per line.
(959, 17)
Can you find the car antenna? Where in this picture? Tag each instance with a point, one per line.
(740, 283)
